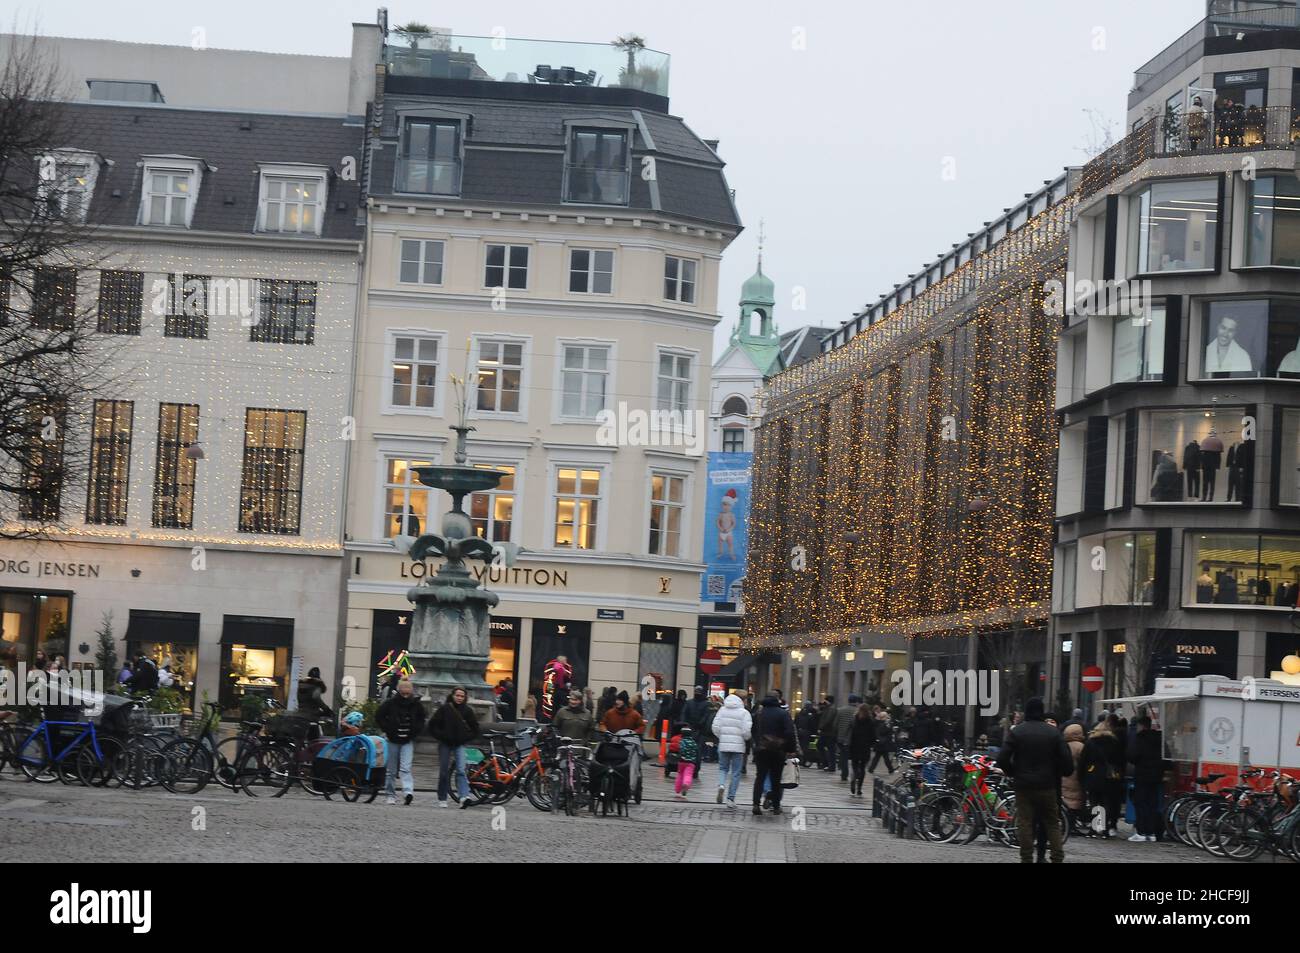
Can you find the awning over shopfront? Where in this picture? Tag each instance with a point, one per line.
(148, 625)
(257, 631)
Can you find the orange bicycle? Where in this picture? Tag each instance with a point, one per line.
(501, 775)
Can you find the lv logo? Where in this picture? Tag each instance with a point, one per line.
(665, 584)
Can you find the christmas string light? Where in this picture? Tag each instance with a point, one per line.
(904, 483)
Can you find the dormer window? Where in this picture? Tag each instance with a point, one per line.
(596, 168)
(429, 156)
(292, 199)
(169, 189)
(68, 183)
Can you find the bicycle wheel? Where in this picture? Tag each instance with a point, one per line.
(95, 771)
(186, 766)
(268, 769)
(1291, 839)
(538, 788)
(228, 752)
(1066, 823)
(937, 816)
(1180, 814)
(347, 783)
(1243, 834)
(34, 760)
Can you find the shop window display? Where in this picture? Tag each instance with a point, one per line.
(1288, 490)
(1195, 456)
(1249, 337)
(1244, 570)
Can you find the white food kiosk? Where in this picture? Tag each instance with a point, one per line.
(1215, 725)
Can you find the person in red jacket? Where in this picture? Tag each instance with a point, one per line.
(622, 715)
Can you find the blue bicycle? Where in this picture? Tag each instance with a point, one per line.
(44, 756)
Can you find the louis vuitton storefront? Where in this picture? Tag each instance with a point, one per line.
(581, 607)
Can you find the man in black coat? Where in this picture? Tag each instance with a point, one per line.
(1146, 752)
(774, 740)
(401, 718)
(1036, 757)
(696, 711)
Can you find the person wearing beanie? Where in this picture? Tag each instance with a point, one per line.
(696, 711)
(1035, 757)
(622, 715)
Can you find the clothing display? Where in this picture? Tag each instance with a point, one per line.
(1211, 463)
(1204, 587)
(1192, 467)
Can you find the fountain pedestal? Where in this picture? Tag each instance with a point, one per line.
(449, 629)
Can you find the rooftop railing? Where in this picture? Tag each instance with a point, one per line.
(507, 60)
(1226, 128)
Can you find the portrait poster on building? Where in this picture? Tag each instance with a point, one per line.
(726, 525)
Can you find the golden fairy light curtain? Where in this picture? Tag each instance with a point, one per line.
(906, 483)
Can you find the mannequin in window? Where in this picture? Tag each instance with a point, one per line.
(1204, 585)
(1227, 594)
(1241, 468)
(1166, 485)
(1263, 590)
(1290, 364)
(1192, 467)
(1196, 122)
(1211, 461)
(1283, 594)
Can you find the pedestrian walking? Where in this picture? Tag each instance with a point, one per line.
(455, 726)
(826, 734)
(805, 726)
(688, 761)
(862, 737)
(507, 700)
(1072, 792)
(1101, 770)
(401, 719)
(1035, 757)
(774, 740)
(884, 746)
(696, 711)
(573, 720)
(732, 726)
(844, 716)
(1148, 776)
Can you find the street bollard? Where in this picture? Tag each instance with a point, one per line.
(875, 797)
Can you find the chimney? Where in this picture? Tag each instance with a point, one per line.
(367, 52)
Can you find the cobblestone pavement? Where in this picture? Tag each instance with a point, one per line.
(822, 824)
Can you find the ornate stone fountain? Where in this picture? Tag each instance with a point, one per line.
(449, 631)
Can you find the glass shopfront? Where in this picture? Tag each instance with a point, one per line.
(255, 660)
(1194, 456)
(503, 651)
(553, 638)
(169, 638)
(1244, 569)
(32, 622)
(390, 633)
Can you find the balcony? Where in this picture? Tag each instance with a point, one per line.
(1228, 129)
(534, 62)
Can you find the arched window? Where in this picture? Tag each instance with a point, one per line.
(735, 405)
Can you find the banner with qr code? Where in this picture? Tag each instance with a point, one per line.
(726, 526)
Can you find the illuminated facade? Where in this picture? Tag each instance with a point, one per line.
(903, 480)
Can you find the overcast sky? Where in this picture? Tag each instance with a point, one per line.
(840, 146)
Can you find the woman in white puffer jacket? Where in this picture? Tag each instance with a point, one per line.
(732, 726)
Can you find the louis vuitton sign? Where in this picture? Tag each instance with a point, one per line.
(523, 576)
